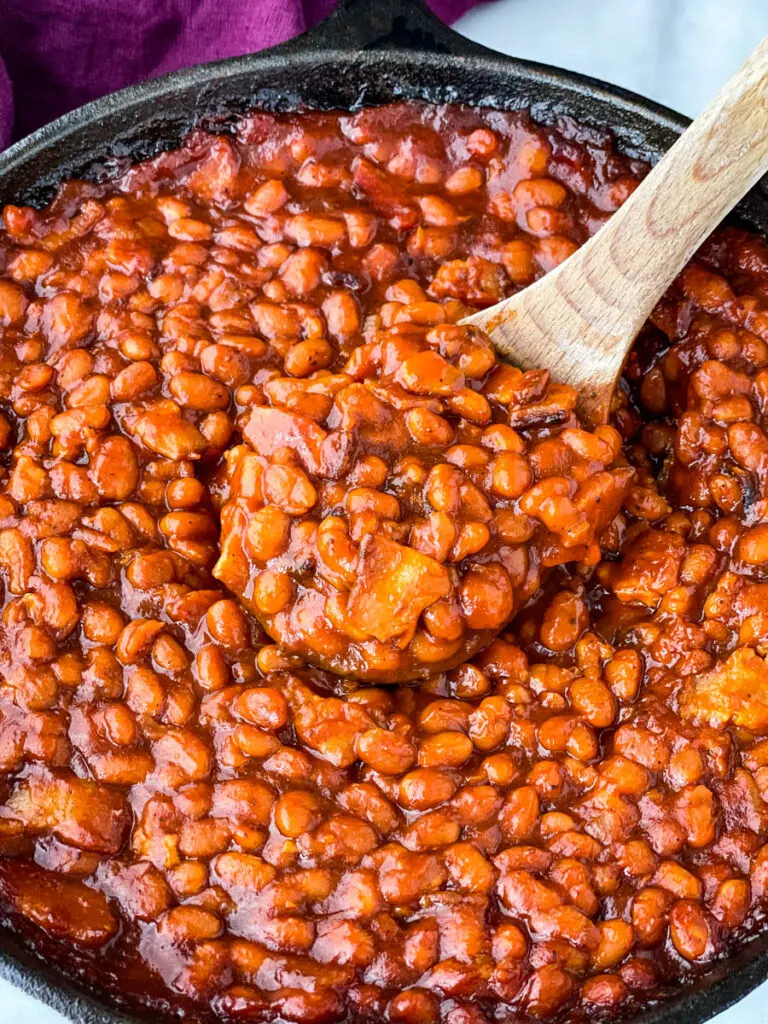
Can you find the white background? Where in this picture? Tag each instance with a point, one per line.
(678, 52)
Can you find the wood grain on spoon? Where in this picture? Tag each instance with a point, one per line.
(580, 320)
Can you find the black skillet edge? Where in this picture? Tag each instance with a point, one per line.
(368, 52)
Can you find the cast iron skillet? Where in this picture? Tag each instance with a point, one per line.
(368, 52)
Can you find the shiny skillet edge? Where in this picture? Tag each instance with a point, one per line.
(358, 57)
(363, 55)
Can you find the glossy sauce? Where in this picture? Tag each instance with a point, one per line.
(568, 825)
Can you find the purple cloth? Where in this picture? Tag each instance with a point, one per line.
(59, 54)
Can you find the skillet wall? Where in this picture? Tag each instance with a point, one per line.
(369, 52)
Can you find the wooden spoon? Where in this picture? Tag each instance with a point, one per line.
(581, 319)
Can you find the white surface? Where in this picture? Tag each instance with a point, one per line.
(678, 52)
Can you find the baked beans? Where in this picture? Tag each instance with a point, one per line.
(252, 471)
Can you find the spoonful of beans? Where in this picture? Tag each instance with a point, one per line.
(581, 319)
(386, 521)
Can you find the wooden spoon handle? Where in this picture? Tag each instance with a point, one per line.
(580, 320)
(713, 164)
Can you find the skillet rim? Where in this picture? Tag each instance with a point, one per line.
(396, 35)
